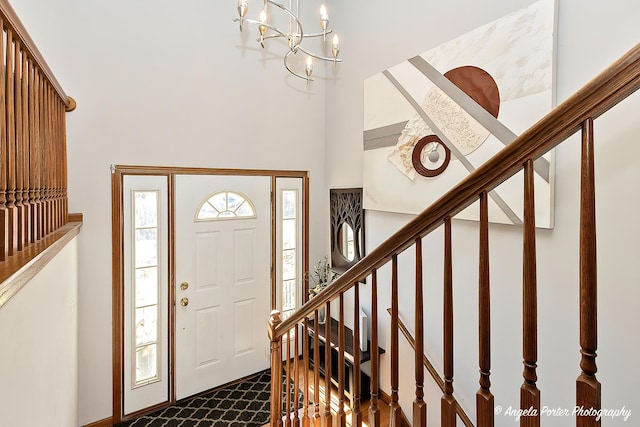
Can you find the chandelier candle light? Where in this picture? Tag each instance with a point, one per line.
(294, 35)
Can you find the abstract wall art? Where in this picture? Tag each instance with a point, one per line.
(433, 119)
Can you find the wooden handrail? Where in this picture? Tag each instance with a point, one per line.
(607, 89)
(33, 161)
(12, 21)
(432, 370)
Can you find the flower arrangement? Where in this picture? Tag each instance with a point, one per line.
(321, 276)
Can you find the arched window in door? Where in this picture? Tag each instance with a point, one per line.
(226, 205)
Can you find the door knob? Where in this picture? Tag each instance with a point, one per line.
(184, 286)
(184, 302)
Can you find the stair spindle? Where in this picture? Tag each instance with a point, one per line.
(287, 387)
(55, 160)
(529, 393)
(60, 170)
(33, 144)
(296, 377)
(11, 146)
(65, 201)
(4, 162)
(419, 405)
(395, 412)
(328, 421)
(341, 416)
(374, 410)
(356, 412)
(306, 418)
(48, 159)
(26, 201)
(19, 56)
(448, 402)
(484, 398)
(40, 158)
(316, 370)
(588, 388)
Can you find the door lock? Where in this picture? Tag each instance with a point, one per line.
(184, 302)
(184, 286)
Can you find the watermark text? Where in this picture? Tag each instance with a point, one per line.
(577, 411)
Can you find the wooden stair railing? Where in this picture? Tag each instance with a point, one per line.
(432, 371)
(577, 113)
(33, 163)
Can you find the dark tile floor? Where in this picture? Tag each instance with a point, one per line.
(238, 405)
(241, 404)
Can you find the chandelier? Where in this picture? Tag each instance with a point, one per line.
(294, 34)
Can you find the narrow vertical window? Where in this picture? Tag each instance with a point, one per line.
(290, 251)
(146, 287)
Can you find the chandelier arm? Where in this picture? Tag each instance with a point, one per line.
(271, 27)
(286, 56)
(322, 58)
(273, 36)
(295, 17)
(318, 34)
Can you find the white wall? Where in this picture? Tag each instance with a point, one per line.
(161, 82)
(39, 357)
(591, 35)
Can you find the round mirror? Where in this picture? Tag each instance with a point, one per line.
(346, 242)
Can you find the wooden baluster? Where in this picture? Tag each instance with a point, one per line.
(529, 393)
(316, 370)
(296, 378)
(356, 413)
(340, 414)
(395, 412)
(419, 405)
(39, 163)
(56, 170)
(306, 419)
(4, 164)
(57, 219)
(484, 397)
(10, 129)
(19, 56)
(588, 388)
(43, 159)
(448, 403)
(60, 168)
(374, 410)
(276, 371)
(54, 161)
(48, 159)
(65, 202)
(287, 399)
(34, 136)
(26, 210)
(63, 165)
(328, 421)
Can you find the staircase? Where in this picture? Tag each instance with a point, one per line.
(576, 114)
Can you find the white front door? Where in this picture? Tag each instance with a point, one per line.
(223, 280)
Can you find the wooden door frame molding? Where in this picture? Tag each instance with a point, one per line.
(118, 172)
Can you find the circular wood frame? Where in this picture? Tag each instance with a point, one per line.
(416, 157)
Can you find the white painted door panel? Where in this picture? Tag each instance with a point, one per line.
(221, 333)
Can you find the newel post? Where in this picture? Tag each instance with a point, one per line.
(276, 370)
